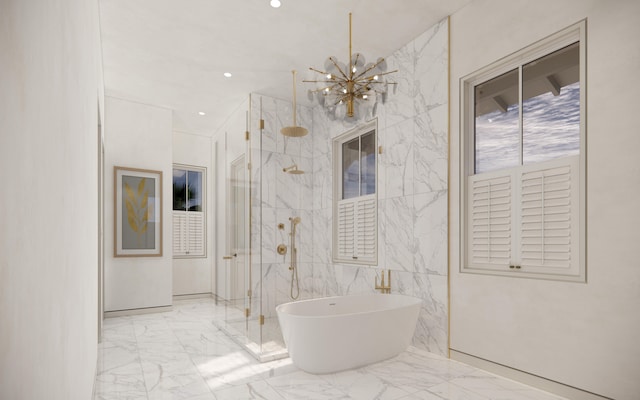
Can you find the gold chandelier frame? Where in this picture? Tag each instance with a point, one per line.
(349, 83)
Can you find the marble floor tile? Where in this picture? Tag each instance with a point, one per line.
(181, 354)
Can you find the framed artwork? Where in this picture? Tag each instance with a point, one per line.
(138, 212)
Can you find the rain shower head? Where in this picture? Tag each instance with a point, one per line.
(295, 130)
(293, 170)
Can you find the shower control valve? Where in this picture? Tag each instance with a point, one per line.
(282, 249)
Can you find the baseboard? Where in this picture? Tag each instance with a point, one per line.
(177, 297)
(137, 311)
(538, 382)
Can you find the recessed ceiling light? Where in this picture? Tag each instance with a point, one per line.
(227, 75)
(202, 113)
(275, 3)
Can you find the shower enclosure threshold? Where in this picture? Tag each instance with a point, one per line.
(269, 351)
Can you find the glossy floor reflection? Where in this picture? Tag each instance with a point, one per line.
(182, 355)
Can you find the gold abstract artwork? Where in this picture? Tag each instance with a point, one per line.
(139, 210)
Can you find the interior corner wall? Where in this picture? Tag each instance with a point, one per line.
(411, 189)
(581, 334)
(49, 200)
(137, 136)
(193, 275)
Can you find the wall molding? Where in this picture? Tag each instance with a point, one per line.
(193, 296)
(535, 381)
(137, 311)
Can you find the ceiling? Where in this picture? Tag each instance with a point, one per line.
(173, 53)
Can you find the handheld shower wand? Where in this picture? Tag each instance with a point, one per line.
(294, 259)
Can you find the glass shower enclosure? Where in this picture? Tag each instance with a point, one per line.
(251, 275)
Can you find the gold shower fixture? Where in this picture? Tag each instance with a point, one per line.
(342, 85)
(295, 130)
(293, 169)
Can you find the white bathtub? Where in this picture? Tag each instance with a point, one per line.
(336, 333)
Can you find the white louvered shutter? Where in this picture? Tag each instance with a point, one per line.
(549, 217)
(490, 231)
(179, 233)
(357, 229)
(366, 226)
(346, 234)
(527, 217)
(188, 234)
(196, 233)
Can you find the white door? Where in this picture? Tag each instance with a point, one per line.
(237, 231)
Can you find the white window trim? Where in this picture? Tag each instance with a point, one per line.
(576, 32)
(176, 214)
(337, 193)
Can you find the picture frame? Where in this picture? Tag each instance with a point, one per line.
(138, 212)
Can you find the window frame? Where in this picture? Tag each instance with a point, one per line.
(186, 213)
(559, 40)
(338, 141)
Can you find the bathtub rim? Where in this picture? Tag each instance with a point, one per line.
(417, 301)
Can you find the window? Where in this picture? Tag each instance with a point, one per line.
(524, 162)
(188, 212)
(355, 204)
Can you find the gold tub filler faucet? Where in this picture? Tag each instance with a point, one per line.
(382, 287)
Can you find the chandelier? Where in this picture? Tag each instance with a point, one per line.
(345, 91)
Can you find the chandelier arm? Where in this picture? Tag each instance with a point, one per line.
(340, 100)
(338, 68)
(370, 78)
(387, 73)
(318, 81)
(321, 89)
(318, 71)
(371, 67)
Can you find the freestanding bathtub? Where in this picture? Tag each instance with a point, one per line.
(332, 334)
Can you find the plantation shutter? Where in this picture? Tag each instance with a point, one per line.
(179, 233)
(526, 217)
(196, 233)
(549, 224)
(491, 220)
(366, 226)
(357, 229)
(346, 224)
(188, 233)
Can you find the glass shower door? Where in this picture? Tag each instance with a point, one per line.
(233, 272)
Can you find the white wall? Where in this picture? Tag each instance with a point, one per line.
(49, 80)
(193, 275)
(138, 136)
(583, 335)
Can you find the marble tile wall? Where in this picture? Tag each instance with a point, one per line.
(412, 193)
(412, 189)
